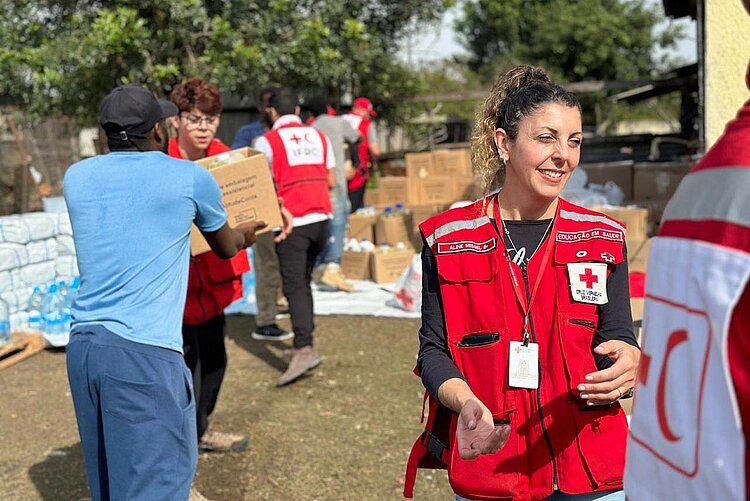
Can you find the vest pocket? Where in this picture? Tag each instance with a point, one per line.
(600, 432)
(576, 332)
(467, 266)
(482, 358)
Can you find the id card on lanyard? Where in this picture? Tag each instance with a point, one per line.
(523, 364)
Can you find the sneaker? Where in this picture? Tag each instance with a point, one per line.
(271, 333)
(196, 496)
(217, 441)
(303, 360)
(333, 278)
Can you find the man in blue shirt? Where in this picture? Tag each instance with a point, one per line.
(131, 213)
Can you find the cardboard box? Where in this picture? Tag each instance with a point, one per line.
(657, 181)
(356, 265)
(452, 162)
(635, 219)
(392, 167)
(392, 190)
(388, 266)
(467, 187)
(621, 173)
(248, 194)
(361, 227)
(372, 197)
(419, 165)
(391, 230)
(417, 215)
(638, 250)
(435, 190)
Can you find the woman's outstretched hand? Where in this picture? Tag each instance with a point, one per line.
(476, 432)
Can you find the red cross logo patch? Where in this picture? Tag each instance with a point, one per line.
(588, 282)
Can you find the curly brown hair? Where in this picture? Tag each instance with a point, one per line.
(196, 93)
(514, 95)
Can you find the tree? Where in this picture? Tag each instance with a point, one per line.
(61, 57)
(573, 39)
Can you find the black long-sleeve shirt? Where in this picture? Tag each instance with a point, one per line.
(434, 362)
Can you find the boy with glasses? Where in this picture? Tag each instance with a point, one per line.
(213, 283)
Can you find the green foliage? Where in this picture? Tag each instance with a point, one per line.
(453, 78)
(63, 57)
(573, 39)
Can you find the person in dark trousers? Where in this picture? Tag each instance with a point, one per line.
(265, 260)
(213, 283)
(303, 166)
(131, 212)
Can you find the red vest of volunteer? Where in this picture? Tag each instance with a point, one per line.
(300, 156)
(557, 442)
(213, 283)
(361, 174)
(691, 414)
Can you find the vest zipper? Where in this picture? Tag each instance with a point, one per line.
(538, 392)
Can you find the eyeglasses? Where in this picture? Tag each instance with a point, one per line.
(195, 121)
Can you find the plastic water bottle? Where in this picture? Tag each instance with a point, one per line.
(66, 298)
(74, 289)
(35, 309)
(388, 212)
(4, 323)
(52, 312)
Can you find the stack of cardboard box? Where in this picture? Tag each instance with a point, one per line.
(391, 233)
(426, 183)
(429, 178)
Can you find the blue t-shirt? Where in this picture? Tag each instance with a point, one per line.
(247, 134)
(131, 214)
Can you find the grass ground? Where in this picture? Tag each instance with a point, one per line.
(342, 433)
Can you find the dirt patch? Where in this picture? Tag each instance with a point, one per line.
(343, 432)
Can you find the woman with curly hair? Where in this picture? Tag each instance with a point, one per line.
(526, 342)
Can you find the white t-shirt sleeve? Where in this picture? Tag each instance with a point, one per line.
(261, 144)
(210, 213)
(330, 158)
(372, 134)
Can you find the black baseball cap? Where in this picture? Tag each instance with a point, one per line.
(130, 111)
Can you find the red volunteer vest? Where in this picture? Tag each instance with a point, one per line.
(362, 174)
(300, 157)
(213, 283)
(556, 441)
(691, 415)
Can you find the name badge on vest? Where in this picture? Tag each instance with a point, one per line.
(523, 366)
(303, 146)
(588, 282)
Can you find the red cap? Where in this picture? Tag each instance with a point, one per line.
(365, 104)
